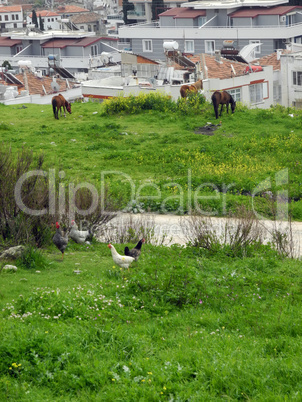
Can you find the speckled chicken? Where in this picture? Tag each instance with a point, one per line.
(59, 240)
(136, 251)
(79, 236)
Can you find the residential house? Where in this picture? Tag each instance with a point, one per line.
(75, 51)
(253, 87)
(291, 78)
(89, 22)
(68, 10)
(11, 18)
(202, 26)
(51, 19)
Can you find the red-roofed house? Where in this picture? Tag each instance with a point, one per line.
(11, 17)
(50, 19)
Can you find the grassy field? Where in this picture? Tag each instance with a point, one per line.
(177, 326)
(183, 324)
(159, 159)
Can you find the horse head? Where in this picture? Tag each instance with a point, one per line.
(68, 107)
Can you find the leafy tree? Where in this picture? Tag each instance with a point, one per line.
(41, 23)
(34, 18)
(127, 7)
(7, 65)
(158, 7)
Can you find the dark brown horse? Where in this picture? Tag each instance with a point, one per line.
(192, 88)
(222, 98)
(59, 102)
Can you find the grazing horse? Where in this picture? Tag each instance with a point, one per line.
(186, 89)
(59, 102)
(222, 98)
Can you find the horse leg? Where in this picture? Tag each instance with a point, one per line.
(227, 107)
(221, 109)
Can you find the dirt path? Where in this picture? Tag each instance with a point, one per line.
(174, 228)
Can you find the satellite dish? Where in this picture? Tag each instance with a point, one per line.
(55, 86)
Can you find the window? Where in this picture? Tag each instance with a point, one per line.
(6, 17)
(17, 16)
(209, 46)
(257, 49)
(94, 50)
(0, 18)
(147, 45)
(297, 77)
(189, 46)
(236, 94)
(13, 17)
(201, 21)
(277, 91)
(15, 25)
(256, 93)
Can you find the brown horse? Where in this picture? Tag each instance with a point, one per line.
(59, 102)
(193, 88)
(222, 98)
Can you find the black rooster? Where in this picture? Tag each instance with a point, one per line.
(136, 251)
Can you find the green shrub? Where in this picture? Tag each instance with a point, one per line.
(32, 258)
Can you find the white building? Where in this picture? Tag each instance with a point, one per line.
(51, 19)
(11, 17)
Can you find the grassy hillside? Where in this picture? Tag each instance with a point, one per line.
(183, 323)
(161, 159)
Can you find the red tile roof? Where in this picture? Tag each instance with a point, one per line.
(5, 42)
(62, 43)
(86, 41)
(35, 84)
(271, 60)
(45, 13)
(58, 43)
(85, 18)
(254, 12)
(10, 9)
(221, 70)
(69, 9)
(182, 12)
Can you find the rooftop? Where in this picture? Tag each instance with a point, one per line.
(252, 13)
(85, 18)
(36, 84)
(227, 4)
(183, 12)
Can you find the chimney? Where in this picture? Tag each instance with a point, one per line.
(218, 56)
(279, 52)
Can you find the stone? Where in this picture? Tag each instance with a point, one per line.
(10, 268)
(12, 253)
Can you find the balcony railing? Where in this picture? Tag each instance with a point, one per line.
(154, 30)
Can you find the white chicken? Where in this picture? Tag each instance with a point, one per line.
(123, 261)
(79, 236)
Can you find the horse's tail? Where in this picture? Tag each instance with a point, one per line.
(215, 104)
(54, 106)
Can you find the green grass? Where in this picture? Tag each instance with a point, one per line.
(177, 326)
(158, 156)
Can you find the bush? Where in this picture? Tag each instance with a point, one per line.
(32, 258)
(20, 199)
(153, 101)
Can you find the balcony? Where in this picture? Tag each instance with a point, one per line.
(155, 31)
